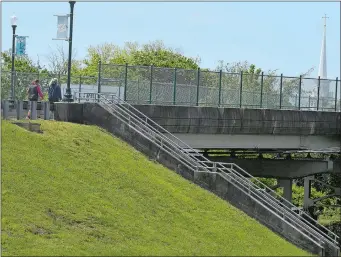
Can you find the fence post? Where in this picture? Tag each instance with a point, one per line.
(99, 76)
(280, 92)
(220, 78)
(174, 89)
(261, 90)
(80, 83)
(336, 93)
(309, 105)
(80, 88)
(299, 93)
(318, 93)
(198, 84)
(151, 84)
(19, 109)
(5, 109)
(125, 82)
(241, 90)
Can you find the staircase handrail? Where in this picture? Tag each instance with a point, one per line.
(193, 160)
(315, 237)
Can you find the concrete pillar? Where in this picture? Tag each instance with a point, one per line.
(5, 109)
(287, 188)
(33, 110)
(307, 202)
(20, 109)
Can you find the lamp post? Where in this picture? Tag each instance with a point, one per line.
(14, 26)
(68, 95)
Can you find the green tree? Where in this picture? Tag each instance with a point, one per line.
(25, 71)
(140, 58)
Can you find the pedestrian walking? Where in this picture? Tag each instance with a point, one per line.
(33, 93)
(55, 94)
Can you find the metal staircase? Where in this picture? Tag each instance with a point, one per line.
(196, 162)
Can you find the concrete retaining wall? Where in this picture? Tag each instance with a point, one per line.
(213, 120)
(94, 114)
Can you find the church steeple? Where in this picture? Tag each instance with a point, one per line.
(323, 58)
(324, 84)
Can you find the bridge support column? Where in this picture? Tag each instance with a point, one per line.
(287, 188)
(307, 201)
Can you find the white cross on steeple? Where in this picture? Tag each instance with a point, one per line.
(325, 19)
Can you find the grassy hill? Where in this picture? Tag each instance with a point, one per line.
(76, 190)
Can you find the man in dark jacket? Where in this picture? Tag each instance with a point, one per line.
(33, 92)
(55, 93)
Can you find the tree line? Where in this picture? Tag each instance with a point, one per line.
(155, 54)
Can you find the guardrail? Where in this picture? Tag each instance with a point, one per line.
(11, 108)
(196, 162)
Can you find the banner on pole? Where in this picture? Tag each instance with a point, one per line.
(62, 27)
(20, 45)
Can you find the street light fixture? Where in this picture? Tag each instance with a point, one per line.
(68, 95)
(14, 20)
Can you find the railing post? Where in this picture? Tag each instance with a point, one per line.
(46, 110)
(5, 109)
(241, 90)
(280, 92)
(125, 82)
(261, 90)
(174, 88)
(151, 84)
(214, 169)
(19, 109)
(220, 78)
(299, 93)
(198, 84)
(33, 110)
(336, 93)
(99, 77)
(318, 93)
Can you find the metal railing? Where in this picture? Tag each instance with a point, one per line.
(196, 162)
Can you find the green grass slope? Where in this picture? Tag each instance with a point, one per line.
(76, 190)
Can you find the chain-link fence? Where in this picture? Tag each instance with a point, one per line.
(171, 86)
(22, 80)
